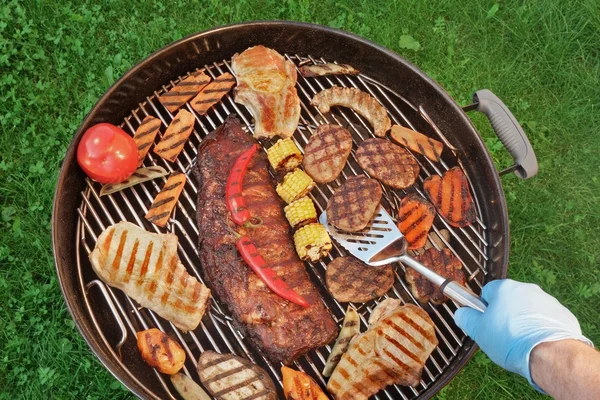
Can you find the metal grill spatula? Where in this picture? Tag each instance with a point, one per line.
(381, 242)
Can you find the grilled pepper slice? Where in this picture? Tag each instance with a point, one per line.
(233, 191)
(160, 351)
(299, 386)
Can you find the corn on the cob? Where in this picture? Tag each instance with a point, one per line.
(312, 242)
(295, 185)
(301, 212)
(284, 155)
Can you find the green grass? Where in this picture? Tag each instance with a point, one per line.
(541, 57)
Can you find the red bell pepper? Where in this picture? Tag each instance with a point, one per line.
(233, 191)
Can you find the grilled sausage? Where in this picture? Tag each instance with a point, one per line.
(327, 69)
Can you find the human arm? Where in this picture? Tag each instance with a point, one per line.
(567, 369)
(519, 317)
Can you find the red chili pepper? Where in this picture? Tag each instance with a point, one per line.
(233, 191)
(258, 264)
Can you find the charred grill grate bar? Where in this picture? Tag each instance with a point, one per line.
(217, 331)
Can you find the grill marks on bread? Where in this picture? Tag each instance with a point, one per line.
(387, 162)
(212, 93)
(441, 262)
(144, 136)
(354, 204)
(175, 136)
(184, 90)
(349, 279)
(326, 152)
(415, 219)
(451, 196)
(164, 203)
(139, 263)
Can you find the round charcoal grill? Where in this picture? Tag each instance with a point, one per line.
(108, 319)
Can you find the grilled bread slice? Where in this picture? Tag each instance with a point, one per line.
(361, 102)
(145, 266)
(184, 90)
(417, 142)
(144, 136)
(354, 203)
(165, 201)
(230, 377)
(451, 196)
(175, 136)
(387, 162)
(441, 262)
(415, 219)
(212, 93)
(392, 351)
(349, 279)
(327, 69)
(326, 152)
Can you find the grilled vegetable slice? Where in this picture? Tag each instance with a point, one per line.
(326, 152)
(415, 218)
(184, 90)
(144, 136)
(361, 102)
(308, 71)
(299, 386)
(441, 262)
(140, 175)
(187, 388)
(230, 377)
(417, 142)
(284, 155)
(354, 203)
(212, 93)
(349, 279)
(312, 242)
(451, 196)
(160, 351)
(387, 162)
(165, 201)
(295, 185)
(301, 212)
(350, 328)
(175, 136)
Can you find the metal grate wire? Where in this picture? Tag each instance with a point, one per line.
(216, 331)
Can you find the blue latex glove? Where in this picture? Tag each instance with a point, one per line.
(519, 317)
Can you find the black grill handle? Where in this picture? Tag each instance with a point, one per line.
(508, 131)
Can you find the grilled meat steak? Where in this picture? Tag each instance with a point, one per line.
(326, 152)
(389, 163)
(282, 330)
(441, 262)
(415, 219)
(354, 203)
(451, 196)
(349, 279)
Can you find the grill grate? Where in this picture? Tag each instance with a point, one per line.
(216, 330)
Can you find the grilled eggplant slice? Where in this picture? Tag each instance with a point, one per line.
(160, 351)
(361, 102)
(230, 377)
(451, 196)
(165, 201)
(175, 136)
(441, 262)
(387, 162)
(184, 90)
(350, 328)
(140, 175)
(187, 388)
(144, 136)
(309, 71)
(326, 152)
(354, 203)
(349, 279)
(212, 93)
(415, 219)
(417, 142)
(299, 386)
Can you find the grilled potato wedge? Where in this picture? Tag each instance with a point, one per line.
(326, 152)
(230, 377)
(451, 196)
(350, 280)
(144, 136)
(160, 351)
(165, 201)
(309, 71)
(354, 203)
(212, 93)
(350, 328)
(417, 142)
(187, 388)
(299, 386)
(184, 90)
(441, 262)
(175, 136)
(387, 162)
(415, 219)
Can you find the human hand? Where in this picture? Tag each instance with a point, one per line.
(519, 317)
